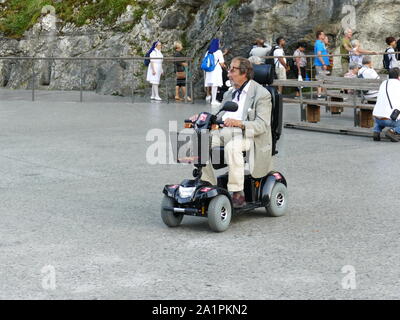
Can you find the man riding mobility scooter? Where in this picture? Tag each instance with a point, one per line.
(201, 199)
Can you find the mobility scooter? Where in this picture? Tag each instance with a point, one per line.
(199, 198)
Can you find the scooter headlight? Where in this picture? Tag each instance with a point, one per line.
(186, 192)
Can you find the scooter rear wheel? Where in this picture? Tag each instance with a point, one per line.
(278, 204)
(170, 218)
(219, 213)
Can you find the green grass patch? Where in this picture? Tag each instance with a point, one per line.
(17, 16)
(233, 3)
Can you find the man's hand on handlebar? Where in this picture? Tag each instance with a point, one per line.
(233, 123)
(194, 118)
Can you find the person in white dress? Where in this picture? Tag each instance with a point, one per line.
(214, 79)
(155, 70)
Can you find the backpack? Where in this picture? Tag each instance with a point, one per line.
(271, 54)
(208, 64)
(386, 60)
(271, 61)
(398, 50)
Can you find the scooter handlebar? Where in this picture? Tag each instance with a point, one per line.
(190, 123)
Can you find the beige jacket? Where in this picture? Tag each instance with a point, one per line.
(257, 122)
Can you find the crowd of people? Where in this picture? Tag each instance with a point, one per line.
(351, 49)
(352, 62)
(356, 62)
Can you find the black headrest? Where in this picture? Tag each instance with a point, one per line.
(263, 74)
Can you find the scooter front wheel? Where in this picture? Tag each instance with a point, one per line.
(170, 218)
(278, 204)
(219, 213)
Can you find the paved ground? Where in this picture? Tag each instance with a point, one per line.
(78, 195)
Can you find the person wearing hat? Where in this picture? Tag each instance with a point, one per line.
(155, 70)
(214, 79)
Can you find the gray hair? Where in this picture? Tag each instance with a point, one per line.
(347, 31)
(245, 67)
(255, 60)
(355, 43)
(353, 66)
(366, 60)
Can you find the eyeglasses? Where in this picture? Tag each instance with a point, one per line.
(231, 68)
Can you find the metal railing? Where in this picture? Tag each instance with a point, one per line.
(166, 62)
(310, 57)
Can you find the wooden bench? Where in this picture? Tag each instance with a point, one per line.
(337, 99)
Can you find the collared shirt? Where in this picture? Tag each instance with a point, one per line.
(382, 108)
(238, 115)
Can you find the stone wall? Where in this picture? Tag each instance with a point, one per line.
(194, 23)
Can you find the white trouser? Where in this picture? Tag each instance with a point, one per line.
(234, 144)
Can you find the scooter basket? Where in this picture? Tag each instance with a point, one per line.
(187, 149)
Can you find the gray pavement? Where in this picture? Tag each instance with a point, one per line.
(78, 195)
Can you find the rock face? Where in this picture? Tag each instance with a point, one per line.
(194, 23)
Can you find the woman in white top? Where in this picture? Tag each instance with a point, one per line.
(260, 50)
(155, 70)
(357, 53)
(213, 79)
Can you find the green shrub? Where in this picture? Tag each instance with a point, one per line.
(17, 16)
(233, 3)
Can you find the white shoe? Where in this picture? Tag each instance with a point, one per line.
(208, 99)
(215, 104)
(152, 98)
(157, 99)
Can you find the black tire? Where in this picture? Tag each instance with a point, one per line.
(219, 213)
(279, 201)
(170, 218)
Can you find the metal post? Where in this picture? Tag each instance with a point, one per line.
(356, 120)
(166, 84)
(191, 80)
(33, 79)
(311, 77)
(133, 81)
(302, 116)
(186, 82)
(81, 81)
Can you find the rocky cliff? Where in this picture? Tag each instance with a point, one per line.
(193, 22)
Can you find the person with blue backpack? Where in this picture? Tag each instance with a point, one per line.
(212, 64)
(155, 69)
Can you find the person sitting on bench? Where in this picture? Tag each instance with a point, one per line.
(368, 72)
(388, 100)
